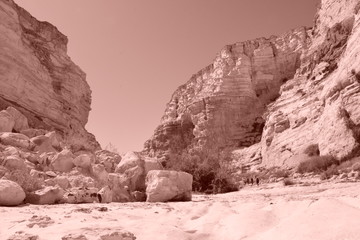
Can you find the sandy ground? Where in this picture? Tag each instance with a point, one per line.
(323, 211)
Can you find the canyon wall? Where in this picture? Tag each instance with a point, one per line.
(38, 77)
(267, 99)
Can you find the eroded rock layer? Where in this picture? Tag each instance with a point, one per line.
(39, 79)
(271, 98)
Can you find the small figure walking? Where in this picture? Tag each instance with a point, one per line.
(257, 181)
(252, 181)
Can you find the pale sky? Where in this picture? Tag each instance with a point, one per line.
(137, 52)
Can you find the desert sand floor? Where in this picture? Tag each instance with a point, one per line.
(322, 211)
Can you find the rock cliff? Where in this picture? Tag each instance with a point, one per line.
(40, 80)
(268, 99)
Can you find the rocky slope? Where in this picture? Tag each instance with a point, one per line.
(38, 78)
(266, 100)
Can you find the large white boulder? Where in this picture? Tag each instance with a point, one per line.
(7, 122)
(21, 122)
(164, 185)
(11, 194)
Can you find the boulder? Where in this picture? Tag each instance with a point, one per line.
(106, 158)
(163, 186)
(63, 161)
(7, 122)
(47, 195)
(83, 161)
(109, 159)
(99, 172)
(38, 174)
(21, 122)
(62, 181)
(42, 144)
(11, 151)
(130, 160)
(16, 140)
(14, 162)
(81, 195)
(119, 183)
(11, 194)
(54, 139)
(32, 132)
(105, 195)
(78, 180)
(135, 168)
(152, 164)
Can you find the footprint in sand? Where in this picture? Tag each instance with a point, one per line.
(40, 221)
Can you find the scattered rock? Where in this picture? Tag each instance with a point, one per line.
(138, 196)
(343, 176)
(74, 237)
(40, 221)
(11, 194)
(165, 186)
(81, 195)
(123, 235)
(105, 195)
(23, 236)
(47, 195)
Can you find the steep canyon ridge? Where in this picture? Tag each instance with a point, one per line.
(262, 104)
(267, 99)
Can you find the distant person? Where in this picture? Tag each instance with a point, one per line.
(257, 181)
(252, 181)
(247, 181)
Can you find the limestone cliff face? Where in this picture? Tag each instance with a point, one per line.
(268, 99)
(321, 103)
(222, 105)
(38, 77)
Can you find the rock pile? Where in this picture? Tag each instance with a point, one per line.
(38, 168)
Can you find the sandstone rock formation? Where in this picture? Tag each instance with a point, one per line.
(266, 100)
(163, 186)
(38, 78)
